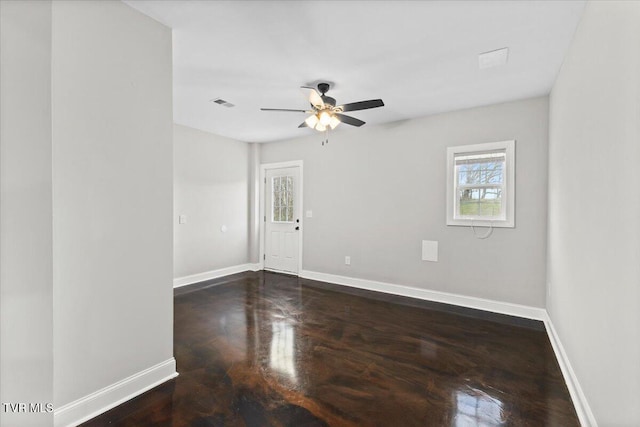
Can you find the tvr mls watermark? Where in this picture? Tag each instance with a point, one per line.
(22, 407)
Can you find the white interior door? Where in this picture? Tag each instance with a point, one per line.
(282, 219)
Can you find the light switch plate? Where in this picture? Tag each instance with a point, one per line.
(430, 250)
(182, 219)
(309, 214)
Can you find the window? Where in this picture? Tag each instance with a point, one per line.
(480, 184)
(282, 199)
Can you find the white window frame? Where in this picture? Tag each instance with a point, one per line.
(509, 184)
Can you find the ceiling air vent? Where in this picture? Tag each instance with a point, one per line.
(222, 102)
(494, 58)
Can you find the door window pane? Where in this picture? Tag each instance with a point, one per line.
(282, 199)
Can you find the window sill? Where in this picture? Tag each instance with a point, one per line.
(481, 223)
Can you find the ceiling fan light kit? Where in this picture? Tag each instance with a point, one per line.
(311, 121)
(325, 115)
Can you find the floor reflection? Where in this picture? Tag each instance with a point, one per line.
(283, 349)
(474, 407)
(266, 349)
(233, 326)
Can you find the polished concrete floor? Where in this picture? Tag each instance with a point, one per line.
(264, 349)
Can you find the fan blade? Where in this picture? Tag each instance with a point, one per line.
(350, 120)
(303, 125)
(363, 105)
(314, 97)
(284, 109)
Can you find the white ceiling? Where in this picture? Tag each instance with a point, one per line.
(420, 57)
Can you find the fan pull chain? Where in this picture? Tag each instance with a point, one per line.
(326, 137)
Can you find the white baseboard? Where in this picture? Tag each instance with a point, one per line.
(577, 395)
(96, 403)
(429, 295)
(214, 274)
(255, 267)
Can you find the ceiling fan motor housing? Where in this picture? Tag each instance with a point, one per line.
(323, 88)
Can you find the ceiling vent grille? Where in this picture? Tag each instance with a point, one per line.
(221, 101)
(494, 58)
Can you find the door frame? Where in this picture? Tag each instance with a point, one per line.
(263, 176)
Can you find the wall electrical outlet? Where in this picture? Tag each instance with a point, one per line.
(347, 260)
(182, 219)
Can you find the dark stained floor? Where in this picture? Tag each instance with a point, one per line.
(265, 349)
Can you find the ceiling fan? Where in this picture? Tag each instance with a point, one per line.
(325, 114)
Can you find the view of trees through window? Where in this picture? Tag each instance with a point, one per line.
(282, 199)
(480, 182)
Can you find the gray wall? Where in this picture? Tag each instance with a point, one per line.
(112, 198)
(594, 209)
(211, 185)
(25, 210)
(253, 244)
(377, 191)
